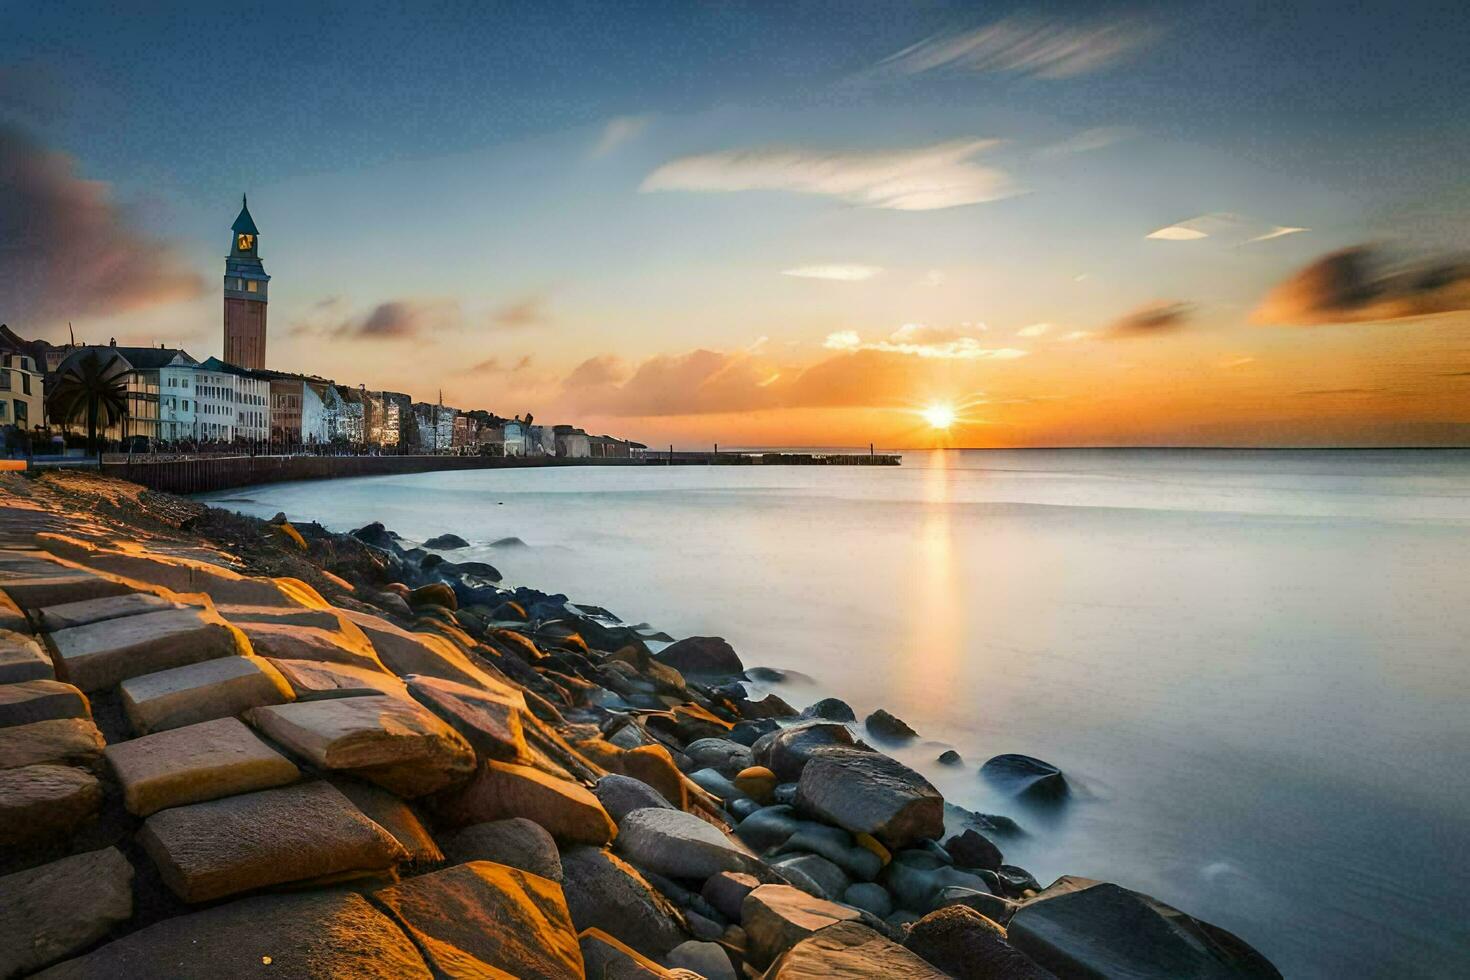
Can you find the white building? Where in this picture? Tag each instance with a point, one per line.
(235, 398)
(514, 434)
(176, 402)
(314, 414)
(214, 405)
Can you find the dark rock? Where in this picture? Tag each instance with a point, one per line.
(768, 828)
(726, 890)
(870, 898)
(432, 562)
(886, 726)
(871, 793)
(742, 807)
(446, 542)
(916, 879)
(379, 537)
(511, 542)
(784, 793)
(972, 849)
(1081, 927)
(621, 795)
(726, 757)
(748, 732)
(787, 750)
(770, 706)
(814, 875)
(478, 569)
(433, 594)
(837, 846)
(968, 946)
(950, 757)
(680, 845)
(61, 908)
(604, 892)
(993, 907)
(765, 675)
(702, 656)
(516, 842)
(705, 959)
(1014, 880)
(1023, 776)
(830, 709)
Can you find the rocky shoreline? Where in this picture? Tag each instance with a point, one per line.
(231, 747)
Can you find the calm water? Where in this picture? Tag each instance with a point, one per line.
(1255, 666)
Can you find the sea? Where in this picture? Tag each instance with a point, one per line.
(1252, 666)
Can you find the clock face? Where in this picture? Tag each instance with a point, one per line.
(247, 242)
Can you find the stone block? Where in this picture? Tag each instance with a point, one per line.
(37, 802)
(569, 812)
(777, 917)
(61, 908)
(312, 680)
(61, 741)
(102, 655)
(194, 764)
(489, 719)
(23, 659)
(88, 611)
(42, 700)
(199, 692)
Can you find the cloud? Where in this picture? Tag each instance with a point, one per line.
(1085, 142)
(1035, 330)
(66, 250)
(529, 311)
(926, 178)
(618, 131)
(917, 340)
(1233, 228)
(493, 365)
(932, 279)
(1154, 318)
(1075, 335)
(405, 319)
(1360, 284)
(1026, 46)
(837, 273)
(1280, 231)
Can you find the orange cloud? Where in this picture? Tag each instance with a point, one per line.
(1357, 285)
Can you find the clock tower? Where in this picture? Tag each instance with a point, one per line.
(246, 286)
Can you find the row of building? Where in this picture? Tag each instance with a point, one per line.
(177, 402)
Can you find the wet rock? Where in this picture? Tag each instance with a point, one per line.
(867, 792)
(706, 959)
(1023, 776)
(770, 706)
(395, 816)
(103, 655)
(968, 946)
(433, 594)
(715, 784)
(837, 846)
(726, 891)
(446, 542)
(499, 790)
(972, 849)
(41, 700)
(741, 807)
(510, 542)
(708, 656)
(393, 603)
(201, 692)
(777, 917)
(993, 907)
(604, 892)
(60, 908)
(726, 757)
(195, 763)
(748, 732)
(787, 750)
(814, 875)
(490, 720)
(621, 795)
(784, 794)
(830, 709)
(949, 757)
(1014, 881)
(1081, 927)
(756, 782)
(916, 880)
(209, 850)
(680, 845)
(60, 741)
(885, 726)
(870, 898)
(484, 919)
(515, 842)
(605, 957)
(41, 801)
(22, 659)
(378, 536)
(769, 828)
(509, 612)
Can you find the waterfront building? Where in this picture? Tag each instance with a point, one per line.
(246, 294)
(139, 369)
(540, 440)
(351, 422)
(22, 384)
(572, 443)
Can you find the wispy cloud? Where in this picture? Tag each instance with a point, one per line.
(1050, 49)
(395, 320)
(1034, 330)
(1361, 284)
(1280, 231)
(942, 175)
(917, 340)
(1155, 318)
(528, 311)
(1231, 228)
(1075, 336)
(837, 273)
(494, 365)
(1085, 142)
(617, 132)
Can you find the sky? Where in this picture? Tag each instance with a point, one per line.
(776, 224)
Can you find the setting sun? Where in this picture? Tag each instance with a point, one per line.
(939, 416)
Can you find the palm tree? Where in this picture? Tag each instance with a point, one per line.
(94, 389)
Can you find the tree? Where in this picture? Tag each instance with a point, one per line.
(91, 388)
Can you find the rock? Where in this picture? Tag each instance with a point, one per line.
(509, 612)
(850, 950)
(621, 795)
(786, 751)
(1081, 927)
(726, 892)
(814, 875)
(378, 536)
(209, 850)
(837, 846)
(433, 594)
(430, 654)
(968, 946)
(870, 898)
(777, 917)
(482, 919)
(724, 756)
(949, 757)
(756, 782)
(995, 908)
(715, 785)
(708, 960)
(749, 731)
(867, 792)
(708, 656)
(399, 745)
(510, 542)
(69, 614)
(604, 892)
(195, 763)
(770, 706)
(61, 908)
(201, 692)
(768, 828)
(393, 815)
(972, 849)
(569, 812)
(479, 569)
(680, 845)
(22, 659)
(446, 542)
(310, 680)
(62, 586)
(103, 655)
(1023, 776)
(61, 741)
(917, 879)
(340, 643)
(490, 720)
(830, 709)
(605, 958)
(885, 726)
(308, 934)
(43, 801)
(515, 842)
(393, 603)
(41, 700)
(741, 807)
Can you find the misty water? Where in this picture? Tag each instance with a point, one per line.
(1254, 667)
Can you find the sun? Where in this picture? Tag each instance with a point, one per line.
(939, 416)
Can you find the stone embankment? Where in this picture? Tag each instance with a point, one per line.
(389, 766)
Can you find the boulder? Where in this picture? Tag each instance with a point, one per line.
(605, 958)
(68, 614)
(397, 744)
(756, 782)
(446, 542)
(870, 898)
(433, 594)
(515, 842)
(708, 656)
(195, 763)
(102, 655)
(917, 879)
(705, 959)
(968, 946)
(41, 700)
(1081, 927)
(777, 917)
(994, 907)
(604, 892)
(972, 849)
(22, 659)
(720, 754)
(405, 652)
(209, 850)
(61, 908)
(949, 757)
(771, 706)
(681, 845)
(814, 875)
(311, 680)
(885, 726)
(43, 801)
(201, 692)
(60, 742)
(1025, 777)
(378, 536)
(726, 891)
(850, 950)
(330, 933)
(621, 795)
(335, 645)
(768, 828)
(785, 752)
(748, 732)
(867, 792)
(487, 920)
(393, 815)
(837, 846)
(489, 719)
(569, 812)
(830, 709)
(62, 586)
(715, 785)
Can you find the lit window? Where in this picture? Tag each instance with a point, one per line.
(252, 286)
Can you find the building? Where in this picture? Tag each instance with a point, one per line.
(247, 405)
(572, 442)
(140, 370)
(608, 447)
(464, 431)
(351, 424)
(332, 407)
(540, 440)
(176, 402)
(22, 384)
(444, 427)
(246, 295)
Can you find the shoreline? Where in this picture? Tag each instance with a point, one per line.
(732, 822)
